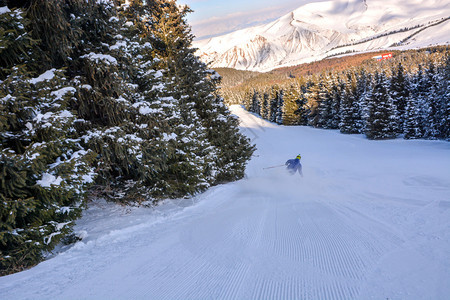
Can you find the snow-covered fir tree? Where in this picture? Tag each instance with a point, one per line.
(399, 91)
(420, 88)
(45, 171)
(290, 105)
(195, 88)
(93, 85)
(280, 104)
(382, 116)
(349, 108)
(434, 116)
(444, 99)
(314, 91)
(273, 103)
(256, 103)
(265, 105)
(363, 82)
(303, 110)
(411, 128)
(324, 109)
(336, 99)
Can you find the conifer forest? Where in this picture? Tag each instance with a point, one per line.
(407, 96)
(106, 99)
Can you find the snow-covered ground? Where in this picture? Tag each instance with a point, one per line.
(369, 220)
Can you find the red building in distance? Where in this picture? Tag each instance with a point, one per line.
(383, 56)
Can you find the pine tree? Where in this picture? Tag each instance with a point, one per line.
(420, 89)
(399, 91)
(290, 105)
(444, 96)
(325, 110)
(362, 86)
(411, 127)
(111, 89)
(382, 115)
(45, 171)
(247, 101)
(314, 90)
(434, 116)
(256, 103)
(280, 104)
(225, 150)
(273, 103)
(349, 108)
(265, 106)
(336, 99)
(303, 110)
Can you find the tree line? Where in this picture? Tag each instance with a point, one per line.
(106, 98)
(403, 97)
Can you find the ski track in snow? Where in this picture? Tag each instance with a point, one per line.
(369, 220)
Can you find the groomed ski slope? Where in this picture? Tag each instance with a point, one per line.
(369, 220)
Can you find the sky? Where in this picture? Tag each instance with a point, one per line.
(215, 17)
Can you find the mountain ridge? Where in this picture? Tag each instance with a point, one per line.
(320, 29)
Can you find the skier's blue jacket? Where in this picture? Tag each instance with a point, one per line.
(294, 165)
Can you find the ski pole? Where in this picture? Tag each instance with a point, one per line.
(274, 167)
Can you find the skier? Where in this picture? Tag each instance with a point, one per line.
(294, 165)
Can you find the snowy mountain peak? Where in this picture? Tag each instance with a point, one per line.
(320, 29)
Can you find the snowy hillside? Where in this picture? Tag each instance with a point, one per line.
(369, 220)
(320, 29)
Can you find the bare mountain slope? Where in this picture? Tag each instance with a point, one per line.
(320, 29)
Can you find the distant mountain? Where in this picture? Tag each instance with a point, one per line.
(322, 29)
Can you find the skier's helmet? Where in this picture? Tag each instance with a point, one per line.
(299, 156)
